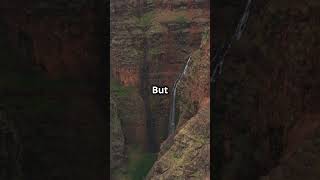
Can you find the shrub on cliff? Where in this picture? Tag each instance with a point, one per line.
(145, 21)
(181, 20)
(119, 90)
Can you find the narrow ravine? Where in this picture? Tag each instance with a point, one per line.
(149, 43)
(144, 91)
(172, 121)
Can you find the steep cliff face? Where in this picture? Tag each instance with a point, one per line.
(186, 154)
(150, 41)
(194, 90)
(268, 94)
(117, 146)
(189, 155)
(131, 114)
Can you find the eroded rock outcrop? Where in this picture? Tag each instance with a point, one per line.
(189, 155)
(186, 154)
(194, 90)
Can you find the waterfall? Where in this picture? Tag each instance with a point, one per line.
(172, 122)
(218, 59)
(243, 21)
(10, 148)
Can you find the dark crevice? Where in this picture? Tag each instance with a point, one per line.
(144, 91)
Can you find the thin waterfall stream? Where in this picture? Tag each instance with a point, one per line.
(216, 71)
(220, 53)
(10, 148)
(218, 62)
(172, 122)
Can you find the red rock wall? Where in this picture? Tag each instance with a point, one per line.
(171, 42)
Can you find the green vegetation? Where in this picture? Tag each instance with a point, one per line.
(187, 109)
(196, 55)
(145, 21)
(155, 51)
(181, 20)
(165, 16)
(205, 35)
(177, 114)
(157, 28)
(120, 90)
(138, 164)
(150, 2)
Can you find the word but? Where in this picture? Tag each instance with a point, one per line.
(160, 90)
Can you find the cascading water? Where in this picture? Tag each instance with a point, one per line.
(10, 149)
(217, 63)
(172, 122)
(218, 59)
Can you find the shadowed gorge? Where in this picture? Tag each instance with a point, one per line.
(50, 89)
(150, 45)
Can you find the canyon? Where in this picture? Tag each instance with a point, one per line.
(150, 44)
(53, 84)
(265, 115)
